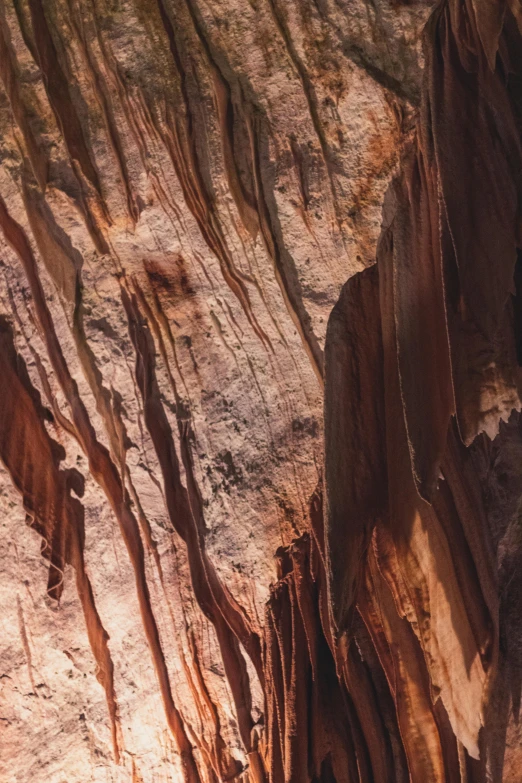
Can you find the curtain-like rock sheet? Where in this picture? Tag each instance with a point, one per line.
(424, 568)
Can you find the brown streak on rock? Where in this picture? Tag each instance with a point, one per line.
(105, 473)
(32, 460)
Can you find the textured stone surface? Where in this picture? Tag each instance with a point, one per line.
(185, 188)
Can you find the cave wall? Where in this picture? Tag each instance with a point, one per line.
(201, 578)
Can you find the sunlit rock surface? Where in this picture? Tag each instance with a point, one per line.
(260, 523)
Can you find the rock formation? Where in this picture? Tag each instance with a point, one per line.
(260, 391)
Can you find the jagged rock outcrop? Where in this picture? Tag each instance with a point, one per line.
(201, 580)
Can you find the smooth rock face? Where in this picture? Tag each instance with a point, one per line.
(185, 188)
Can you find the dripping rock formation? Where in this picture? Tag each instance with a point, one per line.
(260, 391)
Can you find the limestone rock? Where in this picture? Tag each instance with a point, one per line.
(259, 523)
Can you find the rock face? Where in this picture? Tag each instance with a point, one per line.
(256, 525)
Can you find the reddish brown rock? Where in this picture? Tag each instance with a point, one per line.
(260, 523)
